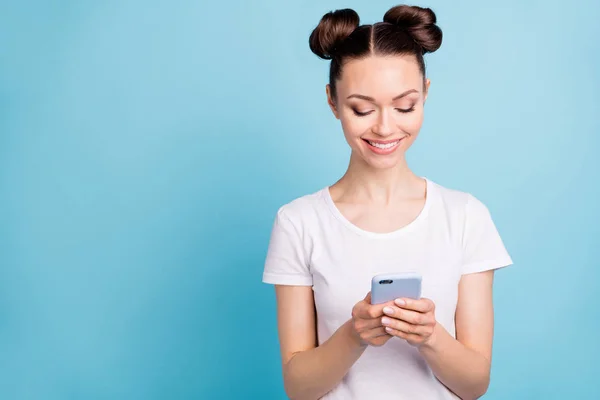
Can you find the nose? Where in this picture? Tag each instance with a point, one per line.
(384, 125)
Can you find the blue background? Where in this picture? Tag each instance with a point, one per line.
(145, 148)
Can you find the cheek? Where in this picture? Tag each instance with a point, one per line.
(354, 127)
(412, 124)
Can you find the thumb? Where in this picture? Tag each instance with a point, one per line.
(368, 298)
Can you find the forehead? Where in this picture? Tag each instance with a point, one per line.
(379, 76)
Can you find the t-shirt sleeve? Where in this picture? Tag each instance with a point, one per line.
(286, 261)
(483, 249)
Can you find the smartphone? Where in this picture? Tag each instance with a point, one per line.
(388, 287)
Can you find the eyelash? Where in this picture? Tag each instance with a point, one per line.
(403, 111)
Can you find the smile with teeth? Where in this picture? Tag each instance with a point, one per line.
(383, 146)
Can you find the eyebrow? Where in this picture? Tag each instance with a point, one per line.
(367, 98)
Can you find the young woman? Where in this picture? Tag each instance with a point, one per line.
(380, 217)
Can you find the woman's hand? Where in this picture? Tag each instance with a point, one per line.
(412, 320)
(366, 322)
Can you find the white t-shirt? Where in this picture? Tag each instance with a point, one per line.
(313, 244)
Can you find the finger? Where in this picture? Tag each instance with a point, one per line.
(374, 333)
(404, 326)
(361, 309)
(412, 317)
(368, 311)
(363, 325)
(422, 305)
(412, 338)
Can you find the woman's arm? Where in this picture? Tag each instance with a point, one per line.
(310, 371)
(463, 364)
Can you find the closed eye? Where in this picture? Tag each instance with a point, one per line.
(400, 110)
(361, 114)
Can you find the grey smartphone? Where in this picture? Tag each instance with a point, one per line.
(388, 287)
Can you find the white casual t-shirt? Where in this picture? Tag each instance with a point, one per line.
(313, 244)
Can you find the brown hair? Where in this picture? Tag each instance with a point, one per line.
(405, 30)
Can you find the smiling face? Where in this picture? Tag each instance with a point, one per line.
(379, 101)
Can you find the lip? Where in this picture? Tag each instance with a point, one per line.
(379, 151)
(382, 141)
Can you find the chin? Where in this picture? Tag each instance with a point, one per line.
(381, 163)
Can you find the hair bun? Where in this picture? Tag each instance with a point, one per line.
(418, 22)
(333, 28)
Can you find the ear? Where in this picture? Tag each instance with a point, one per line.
(427, 83)
(331, 102)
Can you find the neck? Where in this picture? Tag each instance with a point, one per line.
(364, 183)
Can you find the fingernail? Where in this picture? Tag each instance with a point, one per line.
(385, 321)
(400, 302)
(388, 310)
(388, 329)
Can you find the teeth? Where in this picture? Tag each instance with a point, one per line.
(384, 146)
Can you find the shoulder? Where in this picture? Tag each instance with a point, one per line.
(458, 201)
(460, 209)
(303, 209)
(472, 226)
